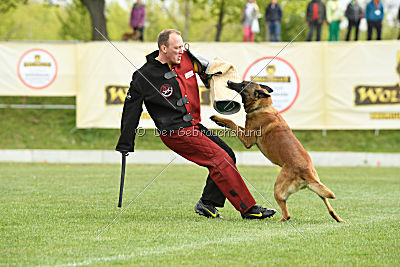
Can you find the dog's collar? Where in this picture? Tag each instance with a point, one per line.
(258, 108)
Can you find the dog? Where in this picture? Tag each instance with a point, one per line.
(131, 36)
(277, 142)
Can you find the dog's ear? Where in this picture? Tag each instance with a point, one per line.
(266, 88)
(261, 94)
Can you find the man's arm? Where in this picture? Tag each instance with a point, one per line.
(201, 66)
(130, 116)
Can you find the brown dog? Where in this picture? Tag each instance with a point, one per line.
(278, 144)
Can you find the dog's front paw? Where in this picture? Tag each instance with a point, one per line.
(218, 120)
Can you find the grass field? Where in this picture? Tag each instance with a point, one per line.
(51, 215)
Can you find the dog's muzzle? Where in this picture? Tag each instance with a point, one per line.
(235, 86)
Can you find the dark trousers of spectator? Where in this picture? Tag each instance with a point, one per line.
(140, 29)
(356, 25)
(318, 26)
(275, 31)
(378, 26)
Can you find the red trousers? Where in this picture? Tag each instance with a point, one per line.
(193, 145)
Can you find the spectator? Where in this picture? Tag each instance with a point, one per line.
(333, 16)
(273, 18)
(249, 20)
(353, 14)
(374, 14)
(316, 15)
(138, 16)
(398, 17)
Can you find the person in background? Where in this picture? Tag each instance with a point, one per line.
(398, 18)
(374, 14)
(333, 16)
(316, 15)
(354, 15)
(273, 18)
(138, 16)
(249, 16)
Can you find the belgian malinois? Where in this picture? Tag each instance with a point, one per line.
(277, 143)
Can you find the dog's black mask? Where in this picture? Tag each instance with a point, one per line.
(241, 88)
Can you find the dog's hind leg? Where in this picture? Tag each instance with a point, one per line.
(321, 189)
(282, 190)
(331, 210)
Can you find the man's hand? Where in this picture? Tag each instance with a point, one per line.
(126, 153)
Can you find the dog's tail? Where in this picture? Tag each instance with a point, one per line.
(321, 190)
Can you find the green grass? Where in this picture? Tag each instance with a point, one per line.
(51, 214)
(55, 129)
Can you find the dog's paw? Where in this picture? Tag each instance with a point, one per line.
(218, 120)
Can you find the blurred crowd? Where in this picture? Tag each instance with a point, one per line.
(318, 12)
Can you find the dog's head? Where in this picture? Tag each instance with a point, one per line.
(253, 94)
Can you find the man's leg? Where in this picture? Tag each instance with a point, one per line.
(369, 34)
(331, 31)
(278, 31)
(319, 29)
(191, 144)
(311, 31)
(357, 26)
(378, 29)
(349, 30)
(211, 193)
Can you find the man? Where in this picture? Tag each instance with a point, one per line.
(374, 14)
(138, 17)
(398, 17)
(316, 15)
(273, 18)
(353, 14)
(167, 85)
(334, 15)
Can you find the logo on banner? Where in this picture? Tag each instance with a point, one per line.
(166, 90)
(116, 94)
(280, 76)
(37, 69)
(370, 95)
(378, 94)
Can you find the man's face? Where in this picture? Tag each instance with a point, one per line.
(174, 50)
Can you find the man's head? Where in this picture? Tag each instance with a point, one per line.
(170, 45)
(273, 2)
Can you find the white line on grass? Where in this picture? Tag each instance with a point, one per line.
(191, 246)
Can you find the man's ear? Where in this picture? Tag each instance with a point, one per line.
(269, 89)
(163, 49)
(261, 94)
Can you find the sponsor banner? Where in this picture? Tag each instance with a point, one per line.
(362, 85)
(317, 85)
(37, 69)
(110, 75)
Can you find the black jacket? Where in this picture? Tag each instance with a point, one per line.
(146, 86)
(321, 11)
(353, 12)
